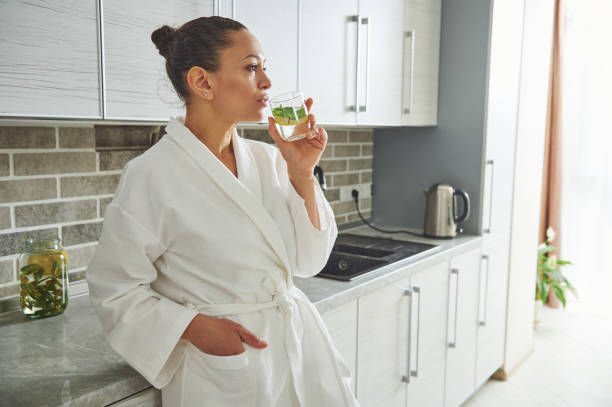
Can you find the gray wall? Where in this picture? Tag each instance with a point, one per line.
(408, 160)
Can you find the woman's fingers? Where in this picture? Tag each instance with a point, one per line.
(250, 338)
(273, 130)
(308, 102)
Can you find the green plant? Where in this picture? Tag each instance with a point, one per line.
(549, 272)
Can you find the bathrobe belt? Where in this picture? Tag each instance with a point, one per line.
(284, 301)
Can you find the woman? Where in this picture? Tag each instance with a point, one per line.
(204, 235)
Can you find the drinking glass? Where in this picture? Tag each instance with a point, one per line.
(290, 113)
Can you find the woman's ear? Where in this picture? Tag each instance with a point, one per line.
(198, 81)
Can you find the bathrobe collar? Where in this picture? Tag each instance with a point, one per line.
(245, 190)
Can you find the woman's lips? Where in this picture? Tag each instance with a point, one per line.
(263, 102)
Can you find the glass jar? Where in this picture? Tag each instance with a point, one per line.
(43, 276)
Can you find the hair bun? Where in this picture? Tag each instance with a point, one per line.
(162, 38)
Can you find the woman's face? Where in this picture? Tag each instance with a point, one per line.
(241, 82)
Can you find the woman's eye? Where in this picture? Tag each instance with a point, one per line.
(255, 66)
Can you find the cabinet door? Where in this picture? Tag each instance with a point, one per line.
(382, 358)
(136, 85)
(421, 61)
(492, 307)
(501, 118)
(462, 327)
(278, 36)
(49, 59)
(428, 341)
(328, 52)
(380, 62)
(341, 323)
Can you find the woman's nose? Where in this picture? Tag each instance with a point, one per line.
(265, 83)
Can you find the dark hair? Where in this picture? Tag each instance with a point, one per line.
(198, 42)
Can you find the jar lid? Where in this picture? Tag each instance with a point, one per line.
(42, 244)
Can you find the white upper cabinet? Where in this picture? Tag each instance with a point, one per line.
(49, 59)
(328, 64)
(379, 87)
(501, 118)
(421, 56)
(275, 24)
(136, 85)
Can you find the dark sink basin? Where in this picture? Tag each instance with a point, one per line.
(354, 255)
(363, 251)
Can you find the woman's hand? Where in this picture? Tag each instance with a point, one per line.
(220, 336)
(301, 155)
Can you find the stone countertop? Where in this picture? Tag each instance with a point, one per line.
(65, 360)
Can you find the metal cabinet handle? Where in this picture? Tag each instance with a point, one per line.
(453, 344)
(488, 230)
(486, 290)
(410, 34)
(415, 372)
(406, 377)
(366, 21)
(355, 19)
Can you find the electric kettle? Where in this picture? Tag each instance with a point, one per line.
(441, 218)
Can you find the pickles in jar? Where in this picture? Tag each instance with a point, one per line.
(44, 282)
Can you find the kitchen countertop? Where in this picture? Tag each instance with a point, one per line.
(65, 359)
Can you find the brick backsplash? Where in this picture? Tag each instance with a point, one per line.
(55, 181)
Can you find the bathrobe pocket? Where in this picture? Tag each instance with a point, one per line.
(206, 380)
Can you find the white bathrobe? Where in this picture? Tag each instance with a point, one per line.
(183, 235)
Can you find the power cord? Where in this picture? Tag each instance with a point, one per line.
(355, 195)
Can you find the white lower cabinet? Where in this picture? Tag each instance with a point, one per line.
(382, 340)
(428, 336)
(402, 341)
(341, 323)
(492, 309)
(462, 330)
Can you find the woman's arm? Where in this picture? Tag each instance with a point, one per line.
(306, 189)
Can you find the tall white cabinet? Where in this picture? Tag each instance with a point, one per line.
(49, 59)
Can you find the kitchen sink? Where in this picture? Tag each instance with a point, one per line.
(355, 255)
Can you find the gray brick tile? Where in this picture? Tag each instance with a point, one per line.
(53, 163)
(340, 219)
(345, 179)
(4, 165)
(332, 165)
(28, 189)
(347, 150)
(27, 137)
(76, 276)
(7, 272)
(89, 185)
(83, 233)
(259, 135)
(124, 136)
(361, 136)
(367, 150)
(366, 177)
(360, 164)
(9, 291)
(77, 137)
(103, 203)
(14, 243)
(332, 194)
(5, 217)
(41, 214)
(336, 136)
(116, 160)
